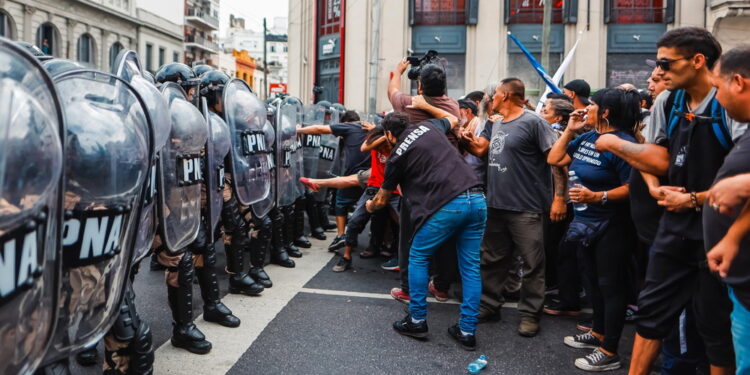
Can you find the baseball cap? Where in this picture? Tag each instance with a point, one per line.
(581, 88)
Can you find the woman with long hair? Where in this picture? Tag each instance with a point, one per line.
(599, 228)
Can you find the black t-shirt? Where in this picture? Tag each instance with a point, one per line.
(352, 138)
(644, 210)
(715, 225)
(429, 171)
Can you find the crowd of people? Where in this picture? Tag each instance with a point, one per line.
(634, 202)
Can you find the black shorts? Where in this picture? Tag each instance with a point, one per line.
(678, 274)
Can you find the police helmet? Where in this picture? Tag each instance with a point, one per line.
(202, 68)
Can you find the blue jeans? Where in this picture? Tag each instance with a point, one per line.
(464, 218)
(740, 334)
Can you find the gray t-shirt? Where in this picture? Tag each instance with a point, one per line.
(518, 176)
(656, 129)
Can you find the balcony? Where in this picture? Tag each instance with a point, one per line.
(203, 19)
(197, 41)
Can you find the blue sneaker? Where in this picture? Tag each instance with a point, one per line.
(391, 265)
(337, 243)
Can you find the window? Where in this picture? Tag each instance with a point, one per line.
(286, 49)
(273, 48)
(439, 12)
(6, 26)
(175, 57)
(149, 57)
(329, 17)
(114, 50)
(162, 52)
(86, 49)
(532, 11)
(47, 37)
(635, 11)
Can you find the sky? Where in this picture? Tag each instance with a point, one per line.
(252, 11)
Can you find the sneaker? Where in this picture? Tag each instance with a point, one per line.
(468, 342)
(338, 242)
(400, 296)
(556, 309)
(528, 328)
(585, 325)
(408, 328)
(391, 265)
(440, 296)
(343, 265)
(369, 253)
(582, 341)
(598, 361)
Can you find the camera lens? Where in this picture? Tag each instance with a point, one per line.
(413, 73)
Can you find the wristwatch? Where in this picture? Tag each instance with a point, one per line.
(604, 197)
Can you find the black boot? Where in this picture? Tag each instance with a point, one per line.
(234, 223)
(258, 248)
(300, 240)
(289, 224)
(240, 282)
(213, 310)
(185, 334)
(278, 251)
(316, 231)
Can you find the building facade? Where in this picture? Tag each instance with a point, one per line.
(331, 49)
(247, 46)
(201, 25)
(94, 32)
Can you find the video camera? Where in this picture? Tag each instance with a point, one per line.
(418, 62)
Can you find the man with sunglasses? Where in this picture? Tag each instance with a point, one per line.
(692, 137)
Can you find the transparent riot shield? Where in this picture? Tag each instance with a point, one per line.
(127, 66)
(107, 155)
(287, 118)
(262, 208)
(312, 115)
(31, 167)
(180, 174)
(329, 151)
(217, 148)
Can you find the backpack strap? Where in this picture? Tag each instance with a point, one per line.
(719, 125)
(675, 107)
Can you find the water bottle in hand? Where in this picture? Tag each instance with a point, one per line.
(575, 182)
(477, 365)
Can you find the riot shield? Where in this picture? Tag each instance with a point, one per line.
(179, 172)
(337, 166)
(107, 155)
(312, 115)
(128, 67)
(30, 208)
(245, 116)
(287, 118)
(329, 148)
(263, 207)
(217, 148)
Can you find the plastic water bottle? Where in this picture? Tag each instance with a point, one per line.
(477, 365)
(575, 182)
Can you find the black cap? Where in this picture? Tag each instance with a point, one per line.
(581, 88)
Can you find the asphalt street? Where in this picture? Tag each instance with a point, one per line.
(315, 321)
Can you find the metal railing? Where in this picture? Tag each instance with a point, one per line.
(197, 39)
(206, 17)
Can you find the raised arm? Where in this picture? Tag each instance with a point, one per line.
(314, 129)
(477, 146)
(394, 85)
(558, 154)
(367, 147)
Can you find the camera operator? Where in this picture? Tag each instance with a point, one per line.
(433, 85)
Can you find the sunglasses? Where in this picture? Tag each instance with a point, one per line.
(665, 64)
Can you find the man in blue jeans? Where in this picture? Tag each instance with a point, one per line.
(446, 202)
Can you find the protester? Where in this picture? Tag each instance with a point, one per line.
(519, 192)
(378, 147)
(656, 83)
(690, 156)
(444, 205)
(726, 218)
(600, 227)
(470, 123)
(356, 162)
(579, 91)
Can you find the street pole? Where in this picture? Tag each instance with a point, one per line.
(265, 60)
(374, 57)
(546, 31)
